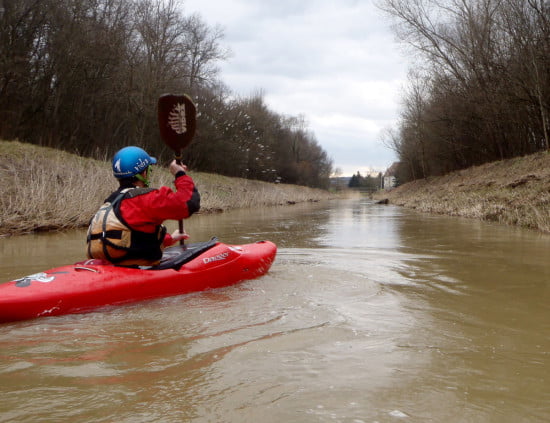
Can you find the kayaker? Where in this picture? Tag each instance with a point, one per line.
(127, 230)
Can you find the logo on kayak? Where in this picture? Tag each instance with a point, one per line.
(218, 257)
(37, 277)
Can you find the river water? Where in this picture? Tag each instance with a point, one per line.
(370, 313)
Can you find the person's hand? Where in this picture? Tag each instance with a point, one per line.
(175, 168)
(178, 236)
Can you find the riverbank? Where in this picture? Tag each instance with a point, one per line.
(512, 192)
(47, 189)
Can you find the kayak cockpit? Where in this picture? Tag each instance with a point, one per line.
(172, 257)
(176, 256)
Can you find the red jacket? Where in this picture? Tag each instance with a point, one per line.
(145, 212)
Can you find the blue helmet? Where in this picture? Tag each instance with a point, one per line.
(131, 161)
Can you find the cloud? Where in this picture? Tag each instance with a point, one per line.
(335, 62)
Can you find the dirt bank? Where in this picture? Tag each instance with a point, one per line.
(512, 192)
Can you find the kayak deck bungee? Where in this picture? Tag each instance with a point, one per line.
(88, 285)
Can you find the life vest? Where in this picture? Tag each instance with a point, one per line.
(111, 238)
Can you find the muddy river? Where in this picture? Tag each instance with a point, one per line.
(370, 313)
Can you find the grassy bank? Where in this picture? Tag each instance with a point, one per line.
(47, 189)
(512, 192)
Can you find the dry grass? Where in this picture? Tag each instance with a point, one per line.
(47, 189)
(512, 192)
(223, 193)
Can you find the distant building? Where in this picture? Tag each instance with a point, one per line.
(390, 176)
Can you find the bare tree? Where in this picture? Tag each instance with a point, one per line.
(85, 75)
(203, 51)
(486, 80)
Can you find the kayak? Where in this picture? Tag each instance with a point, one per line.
(88, 285)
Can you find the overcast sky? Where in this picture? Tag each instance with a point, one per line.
(334, 61)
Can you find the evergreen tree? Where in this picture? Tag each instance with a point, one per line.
(353, 182)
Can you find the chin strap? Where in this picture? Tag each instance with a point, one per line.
(145, 179)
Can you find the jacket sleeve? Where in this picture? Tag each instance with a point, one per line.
(163, 204)
(168, 240)
(194, 203)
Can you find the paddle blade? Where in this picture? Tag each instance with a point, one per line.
(177, 120)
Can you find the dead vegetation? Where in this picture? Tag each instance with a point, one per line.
(512, 192)
(47, 189)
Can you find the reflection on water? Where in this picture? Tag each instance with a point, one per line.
(370, 313)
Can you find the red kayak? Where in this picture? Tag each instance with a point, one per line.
(87, 285)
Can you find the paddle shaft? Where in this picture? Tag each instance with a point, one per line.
(180, 222)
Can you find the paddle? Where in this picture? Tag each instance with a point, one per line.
(177, 117)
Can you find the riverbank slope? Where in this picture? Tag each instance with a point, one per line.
(512, 192)
(48, 189)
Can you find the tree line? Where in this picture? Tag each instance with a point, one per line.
(480, 89)
(85, 76)
(367, 183)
